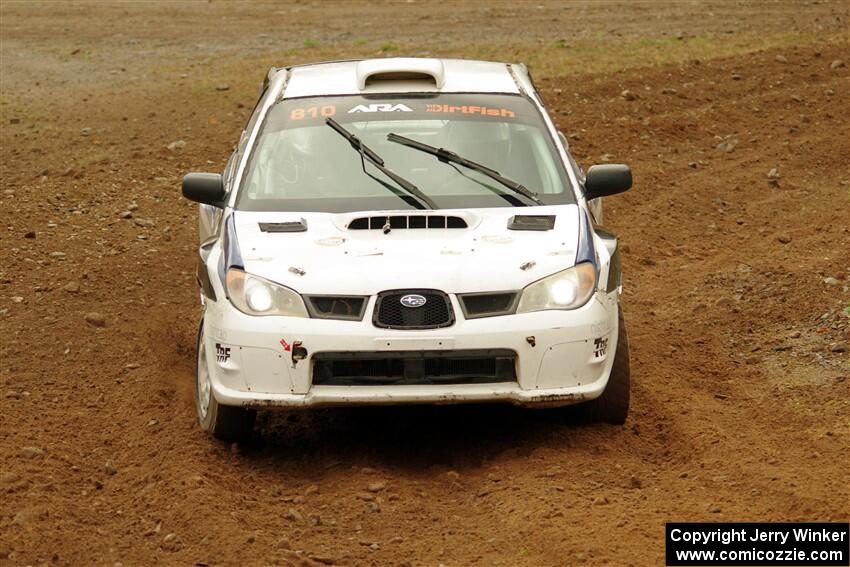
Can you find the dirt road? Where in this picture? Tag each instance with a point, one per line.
(737, 280)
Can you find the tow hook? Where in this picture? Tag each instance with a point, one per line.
(531, 340)
(299, 353)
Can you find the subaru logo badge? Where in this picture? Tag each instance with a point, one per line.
(413, 300)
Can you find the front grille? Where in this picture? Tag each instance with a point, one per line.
(405, 368)
(391, 313)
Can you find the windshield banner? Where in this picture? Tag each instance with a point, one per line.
(311, 112)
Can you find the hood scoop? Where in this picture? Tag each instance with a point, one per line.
(402, 222)
(531, 222)
(288, 226)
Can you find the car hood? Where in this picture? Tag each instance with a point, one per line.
(330, 258)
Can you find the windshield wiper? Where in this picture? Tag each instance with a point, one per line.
(447, 156)
(366, 153)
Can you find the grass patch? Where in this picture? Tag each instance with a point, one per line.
(605, 56)
(578, 57)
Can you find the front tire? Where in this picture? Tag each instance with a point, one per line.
(613, 405)
(223, 422)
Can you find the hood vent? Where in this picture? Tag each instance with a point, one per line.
(288, 226)
(531, 222)
(401, 222)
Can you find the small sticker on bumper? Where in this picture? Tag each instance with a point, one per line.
(600, 347)
(222, 353)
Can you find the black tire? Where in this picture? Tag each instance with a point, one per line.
(613, 405)
(228, 423)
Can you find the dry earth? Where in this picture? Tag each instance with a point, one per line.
(737, 284)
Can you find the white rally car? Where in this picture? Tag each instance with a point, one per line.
(405, 230)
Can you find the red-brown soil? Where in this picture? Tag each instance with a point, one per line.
(739, 336)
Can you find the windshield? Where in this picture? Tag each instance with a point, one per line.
(299, 163)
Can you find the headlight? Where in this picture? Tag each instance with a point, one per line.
(254, 295)
(569, 289)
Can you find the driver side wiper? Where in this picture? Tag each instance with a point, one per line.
(367, 153)
(447, 156)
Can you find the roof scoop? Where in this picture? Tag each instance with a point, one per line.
(373, 71)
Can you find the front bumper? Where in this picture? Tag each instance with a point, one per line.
(562, 357)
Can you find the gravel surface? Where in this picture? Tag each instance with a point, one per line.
(735, 241)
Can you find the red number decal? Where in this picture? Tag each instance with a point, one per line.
(312, 112)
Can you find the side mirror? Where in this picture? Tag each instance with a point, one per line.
(608, 179)
(204, 188)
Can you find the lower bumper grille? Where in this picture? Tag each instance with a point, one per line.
(482, 366)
